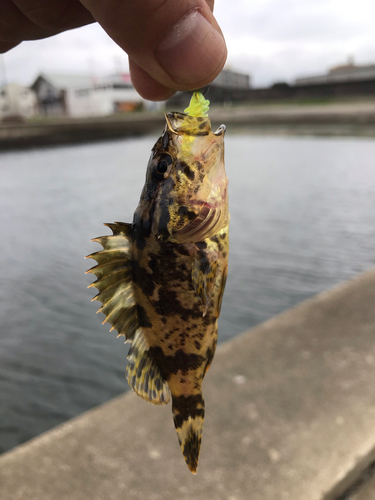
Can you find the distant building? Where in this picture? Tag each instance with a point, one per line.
(231, 80)
(84, 96)
(114, 94)
(52, 90)
(349, 72)
(17, 101)
(227, 87)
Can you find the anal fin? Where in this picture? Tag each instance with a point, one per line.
(143, 375)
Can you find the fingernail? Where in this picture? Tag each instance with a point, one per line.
(193, 51)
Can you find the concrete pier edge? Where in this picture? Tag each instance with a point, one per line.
(290, 411)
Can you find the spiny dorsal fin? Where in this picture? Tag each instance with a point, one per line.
(114, 281)
(143, 375)
(204, 274)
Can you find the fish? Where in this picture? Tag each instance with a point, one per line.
(161, 278)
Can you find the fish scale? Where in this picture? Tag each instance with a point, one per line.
(161, 279)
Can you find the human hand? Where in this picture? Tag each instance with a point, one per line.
(172, 44)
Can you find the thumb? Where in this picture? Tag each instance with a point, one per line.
(172, 44)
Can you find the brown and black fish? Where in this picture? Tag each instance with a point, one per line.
(161, 279)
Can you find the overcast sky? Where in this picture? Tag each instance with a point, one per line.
(272, 40)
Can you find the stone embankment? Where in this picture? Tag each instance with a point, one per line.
(290, 412)
(69, 131)
(351, 118)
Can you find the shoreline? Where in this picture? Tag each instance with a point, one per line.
(332, 119)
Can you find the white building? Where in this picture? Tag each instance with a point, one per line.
(111, 95)
(51, 91)
(84, 96)
(17, 101)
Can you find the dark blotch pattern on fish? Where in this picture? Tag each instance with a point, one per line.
(184, 407)
(180, 360)
(143, 318)
(144, 279)
(185, 213)
(169, 305)
(189, 173)
(164, 220)
(191, 448)
(201, 245)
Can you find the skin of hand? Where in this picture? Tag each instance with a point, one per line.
(172, 44)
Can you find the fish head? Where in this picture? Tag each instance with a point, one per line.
(185, 197)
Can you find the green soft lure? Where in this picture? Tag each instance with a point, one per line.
(198, 106)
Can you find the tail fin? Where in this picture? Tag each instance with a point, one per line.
(188, 416)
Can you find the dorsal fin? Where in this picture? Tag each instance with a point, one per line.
(143, 375)
(114, 281)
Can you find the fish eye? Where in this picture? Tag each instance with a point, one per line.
(162, 168)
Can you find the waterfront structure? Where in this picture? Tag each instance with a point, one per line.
(17, 101)
(106, 97)
(349, 72)
(84, 95)
(232, 80)
(228, 86)
(52, 91)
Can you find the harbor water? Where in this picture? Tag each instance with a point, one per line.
(302, 220)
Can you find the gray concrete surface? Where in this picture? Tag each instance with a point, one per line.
(290, 412)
